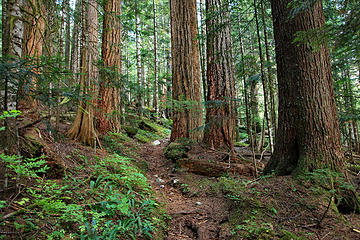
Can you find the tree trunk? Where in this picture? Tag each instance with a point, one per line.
(108, 117)
(356, 135)
(264, 82)
(12, 41)
(186, 78)
(254, 113)
(155, 97)
(309, 136)
(61, 37)
(34, 29)
(138, 61)
(67, 34)
(220, 107)
(83, 128)
(245, 91)
(202, 46)
(269, 70)
(74, 66)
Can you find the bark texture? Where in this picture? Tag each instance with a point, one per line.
(308, 125)
(34, 29)
(12, 41)
(83, 128)
(220, 106)
(155, 97)
(108, 118)
(186, 78)
(139, 102)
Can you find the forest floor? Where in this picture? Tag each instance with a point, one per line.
(227, 205)
(242, 207)
(194, 215)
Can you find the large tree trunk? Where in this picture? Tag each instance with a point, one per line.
(83, 128)
(220, 106)
(34, 28)
(108, 118)
(308, 125)
(186, 79)
(12, 42)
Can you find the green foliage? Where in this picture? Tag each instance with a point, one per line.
(286, 235)
(150, 131)
(28, 167)
(178, 149)
(2, 204)
(9, 114)
(114, 202)
(252, 230)
(326, 180)
(335, 186)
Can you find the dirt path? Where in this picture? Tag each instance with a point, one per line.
(194, 214)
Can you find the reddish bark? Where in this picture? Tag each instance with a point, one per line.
(186, 80)
(108, 118)
(220, 106)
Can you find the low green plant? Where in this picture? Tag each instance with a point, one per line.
(114, 202)
(9, 114)
(334, 186)
(253, 230)
(28, 167)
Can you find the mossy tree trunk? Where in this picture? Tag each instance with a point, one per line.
(186, 78)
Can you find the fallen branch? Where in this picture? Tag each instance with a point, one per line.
(33, 123)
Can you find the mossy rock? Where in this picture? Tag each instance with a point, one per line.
(178, 150)
(131, 131)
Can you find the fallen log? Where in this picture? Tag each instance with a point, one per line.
(215, 169)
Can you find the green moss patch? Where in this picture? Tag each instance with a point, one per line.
(178, 150)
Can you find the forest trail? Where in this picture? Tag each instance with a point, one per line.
(194, 214)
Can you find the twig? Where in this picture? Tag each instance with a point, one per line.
(18, 211)
(262, 154)
(325, 235)
(9, 233)
(252, 181)
(326, 211)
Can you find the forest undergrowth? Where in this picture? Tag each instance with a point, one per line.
(130, 190)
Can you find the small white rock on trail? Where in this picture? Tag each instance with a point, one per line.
(193, 216)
